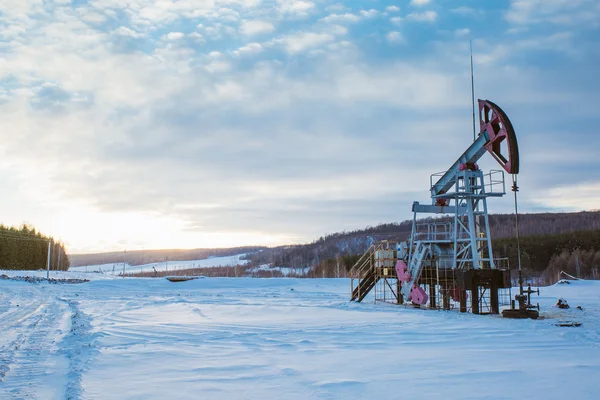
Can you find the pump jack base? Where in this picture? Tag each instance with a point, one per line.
(520, 314)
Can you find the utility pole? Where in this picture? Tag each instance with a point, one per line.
(124, 257)
(477, 218)
(59, 254)
(48, 260)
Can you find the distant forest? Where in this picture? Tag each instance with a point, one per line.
(545, 256)
(24, 249)
(550, 242)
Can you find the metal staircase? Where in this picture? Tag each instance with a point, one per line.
(415, 267)
(365, 285)
(364, 272)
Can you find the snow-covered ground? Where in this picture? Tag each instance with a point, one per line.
(243, 338)
(167, 265)
(42, 273)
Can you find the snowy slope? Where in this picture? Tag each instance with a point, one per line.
(282, 338)
(116, 269)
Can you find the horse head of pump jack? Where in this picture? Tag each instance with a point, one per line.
(502, 143)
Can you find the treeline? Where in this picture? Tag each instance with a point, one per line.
(326, 253)
(546, 255)
(579, 263)
(503, 225)
(543, 257)
(337, 267)
(26, 249)
(140, 257)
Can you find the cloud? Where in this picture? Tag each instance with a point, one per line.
(125, 31)
(425, 16)
(395, 37)
(196, 37)
(588, 196)
(392, 9)
(559, 42)
(256, 27)
(463, 32)
(341, 18)
(419, 3)
(302, 41)
(337, 30)
(559, 12)
(466, 11)
(250, 48)
(335, 7)
(349, 17)
(217, 31)
(218, 66)
(174, 36)
(297, 7)
(369, 13)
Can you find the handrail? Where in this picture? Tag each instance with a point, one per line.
(357, 271)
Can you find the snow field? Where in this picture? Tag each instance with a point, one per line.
(242, 338)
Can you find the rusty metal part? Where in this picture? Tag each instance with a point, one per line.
(501, 133)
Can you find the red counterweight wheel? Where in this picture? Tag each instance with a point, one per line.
(501, 134)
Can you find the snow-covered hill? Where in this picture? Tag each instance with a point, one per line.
(117, 268)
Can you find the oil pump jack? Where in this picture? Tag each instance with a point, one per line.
(453, 255)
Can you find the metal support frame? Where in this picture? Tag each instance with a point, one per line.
(471, 239)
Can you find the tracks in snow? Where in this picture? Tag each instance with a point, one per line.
(78, 348)
(44, 344)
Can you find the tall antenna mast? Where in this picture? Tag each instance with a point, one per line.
(472, 89)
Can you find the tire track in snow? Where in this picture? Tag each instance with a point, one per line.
(46, 347)
(21, 313)
(78, 347)
(31, 366)
(9, 351)
(18, 306)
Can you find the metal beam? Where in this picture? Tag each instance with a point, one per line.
(473, 153)
(424, 208)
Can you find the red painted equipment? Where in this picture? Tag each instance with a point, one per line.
(418, 295)
(457, 294)
(501, 133)
(468, 166)
(401, 271)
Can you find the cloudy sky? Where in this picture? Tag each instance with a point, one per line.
(131, 124)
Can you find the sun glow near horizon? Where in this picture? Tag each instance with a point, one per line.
(85, 230)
